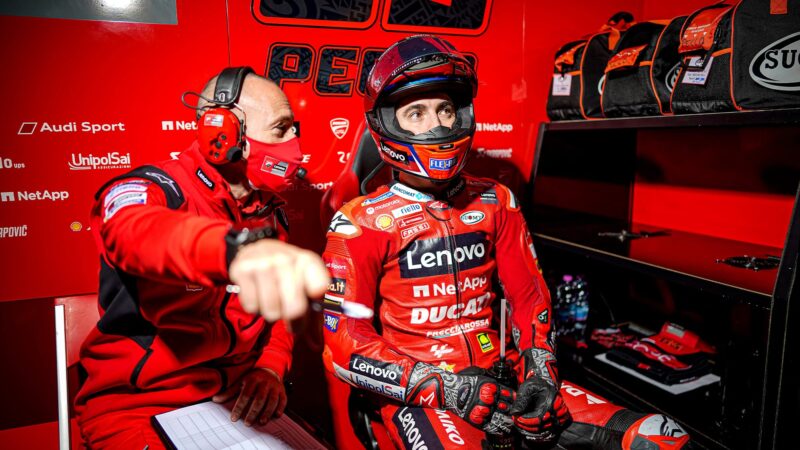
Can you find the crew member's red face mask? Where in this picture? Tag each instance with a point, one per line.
(273, 166)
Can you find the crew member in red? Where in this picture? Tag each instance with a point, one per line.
(171, 236)
(422, 253)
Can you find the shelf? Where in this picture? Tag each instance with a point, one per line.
(680, 256)
(789, 116)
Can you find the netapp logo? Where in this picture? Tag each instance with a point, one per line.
(178, 125)
(33, 196)
(777, 66)
(12, 232)
(499, 127)
(429, 257)
(28, 128)
(440, 289)
(385, 372)
(111, 160)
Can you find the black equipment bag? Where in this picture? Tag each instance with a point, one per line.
(579, 72)
(766, 54)
(704, 83)
(753, 50)
(641, 75)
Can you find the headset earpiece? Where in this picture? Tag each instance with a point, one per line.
(220, 135)
(220, 132)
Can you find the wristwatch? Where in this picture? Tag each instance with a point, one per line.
(238, 237)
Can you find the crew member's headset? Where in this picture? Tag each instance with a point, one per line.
(220, 132)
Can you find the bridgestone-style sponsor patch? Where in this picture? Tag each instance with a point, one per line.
(331, 322)
(415, 429)
(120, 196)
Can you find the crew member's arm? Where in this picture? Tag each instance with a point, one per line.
(539, 411)
(140, 235)
(359, 356)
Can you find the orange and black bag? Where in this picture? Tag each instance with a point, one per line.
(740, 55)
(579, 71)
(640, 76)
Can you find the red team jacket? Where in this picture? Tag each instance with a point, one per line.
(169, 334)
(426, 267)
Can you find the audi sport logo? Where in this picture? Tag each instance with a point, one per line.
(777, 66)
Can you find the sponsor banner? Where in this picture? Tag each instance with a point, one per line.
(339, 127)
(29, 128)
(440, 289)
(494, 127)
(338, 286)
(336, 266)
(429, 257)
(410, 194)
(8, 163)
(331, 322)
(439, 350)
(497, 153)
(472, 217)
(414, 230)
(178, 125)
(436, 314)
(377, 199)
(407, 210)
(415, 429)
(27, 196)
(360, 381)
(378, 370)
(111, 160)
(467, 327)
(373, 209)
(777, 66)
(13, 231)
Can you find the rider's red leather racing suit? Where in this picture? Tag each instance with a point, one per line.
(426, 267)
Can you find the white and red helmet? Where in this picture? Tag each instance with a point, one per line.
(414, 66)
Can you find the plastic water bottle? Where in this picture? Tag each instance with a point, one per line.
(572, 307)
(564, 307)
(580, 307)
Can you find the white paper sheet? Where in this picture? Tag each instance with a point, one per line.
(207, 426)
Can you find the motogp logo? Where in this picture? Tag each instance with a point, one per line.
(777, 66)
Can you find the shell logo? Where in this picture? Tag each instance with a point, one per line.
(384, 221)
(76, 226)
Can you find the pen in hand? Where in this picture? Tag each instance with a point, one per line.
(349, 309)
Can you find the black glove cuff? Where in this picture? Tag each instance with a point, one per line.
(236, 238)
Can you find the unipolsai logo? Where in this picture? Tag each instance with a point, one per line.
(111, 160)
(777, 66)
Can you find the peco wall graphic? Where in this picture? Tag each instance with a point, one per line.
(95, 98)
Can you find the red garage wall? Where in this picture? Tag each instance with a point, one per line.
(84, 89)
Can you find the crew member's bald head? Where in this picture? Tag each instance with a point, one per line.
(264, 107)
